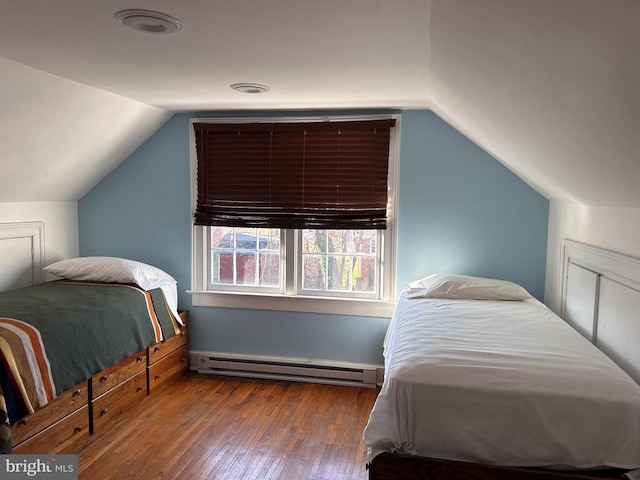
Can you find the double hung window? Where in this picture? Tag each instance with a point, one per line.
(293, 209)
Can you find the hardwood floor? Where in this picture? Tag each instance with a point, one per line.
(207, 427)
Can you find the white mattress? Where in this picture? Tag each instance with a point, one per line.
(505, 383)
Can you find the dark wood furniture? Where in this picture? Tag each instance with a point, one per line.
(398, 466)
(66, 424)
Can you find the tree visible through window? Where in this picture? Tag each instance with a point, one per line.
(339, 260)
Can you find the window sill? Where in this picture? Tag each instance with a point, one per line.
(290, 303)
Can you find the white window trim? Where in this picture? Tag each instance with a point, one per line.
(289, 301)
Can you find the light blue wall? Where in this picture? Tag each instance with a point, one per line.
(460, 210)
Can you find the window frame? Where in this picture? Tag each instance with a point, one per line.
(291, 298)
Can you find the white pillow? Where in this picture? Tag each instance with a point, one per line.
(111, 270)
(464, 287)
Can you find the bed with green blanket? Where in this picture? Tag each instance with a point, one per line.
(58, 334)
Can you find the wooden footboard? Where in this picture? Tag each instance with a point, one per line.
(66, 424)
(395, 466)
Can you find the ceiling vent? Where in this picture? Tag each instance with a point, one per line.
(250, 87)
(148, 21)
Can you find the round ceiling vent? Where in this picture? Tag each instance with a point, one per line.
(250, 87)
(148, 21)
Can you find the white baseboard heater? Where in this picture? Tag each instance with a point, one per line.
(287, 368)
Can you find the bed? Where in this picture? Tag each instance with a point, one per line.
(76, 353)
(483, 381)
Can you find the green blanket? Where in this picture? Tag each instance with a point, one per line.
(85, 327)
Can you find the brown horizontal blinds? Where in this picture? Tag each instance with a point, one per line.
(330, 175)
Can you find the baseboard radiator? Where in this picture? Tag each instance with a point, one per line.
(286, 368)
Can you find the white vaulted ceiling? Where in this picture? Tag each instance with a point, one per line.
(549, 87)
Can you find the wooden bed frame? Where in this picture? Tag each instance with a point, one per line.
(66, 425)
(600, 298)
(397, 466)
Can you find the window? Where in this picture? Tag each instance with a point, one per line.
(340, 262)
(242, 257)
(241, 260)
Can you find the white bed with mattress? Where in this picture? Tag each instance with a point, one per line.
(478, 371)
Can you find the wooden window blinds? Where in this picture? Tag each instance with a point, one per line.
(324, 175)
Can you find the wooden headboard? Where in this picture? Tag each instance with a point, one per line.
(21, 254)
(601, 300)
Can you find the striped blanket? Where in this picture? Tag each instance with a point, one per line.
(5, 428)
(58, 334)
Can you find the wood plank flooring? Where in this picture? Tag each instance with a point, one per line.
(207, 427)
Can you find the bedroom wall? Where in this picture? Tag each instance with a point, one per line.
(463, 212)
(459, 210)
(60, 225)
(616, 229)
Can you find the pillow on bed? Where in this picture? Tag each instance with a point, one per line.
(111, 270)
(464, 287)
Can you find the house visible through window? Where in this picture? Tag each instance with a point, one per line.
(294, 208)
(245, 257)
(341, 262)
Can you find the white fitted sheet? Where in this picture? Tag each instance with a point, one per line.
(500, 382)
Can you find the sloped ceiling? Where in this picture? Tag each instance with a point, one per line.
(59, 138)
(549, 87)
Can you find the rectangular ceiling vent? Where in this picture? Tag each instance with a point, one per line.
(292, 369)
